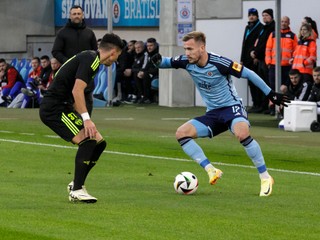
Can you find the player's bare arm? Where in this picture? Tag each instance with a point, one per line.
(80, 107)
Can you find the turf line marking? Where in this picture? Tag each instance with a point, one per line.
(27, 134)
(158, 157)
(4, 131)
(173, 119)
(119, 119)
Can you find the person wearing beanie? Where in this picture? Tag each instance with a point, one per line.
(251, 33)
(268, 11)
(258, 56)
(253, 11)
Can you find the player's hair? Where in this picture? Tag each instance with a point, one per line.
(36, 58)
(2, 60)
(76, 7)
(294, 72)
(45, 57)
(111, 40)
(316, 69)
(197, 36)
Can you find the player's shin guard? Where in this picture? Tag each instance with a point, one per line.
(254, 152)
(82, 161)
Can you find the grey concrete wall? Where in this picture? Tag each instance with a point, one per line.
(21, 18)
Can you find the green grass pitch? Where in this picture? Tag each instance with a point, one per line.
(133, 181)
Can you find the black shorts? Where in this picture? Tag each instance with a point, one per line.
(61, 118)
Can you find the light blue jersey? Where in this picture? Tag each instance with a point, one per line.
(214, 80)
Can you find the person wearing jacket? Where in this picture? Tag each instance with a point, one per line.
(288, 42)
(305, 54)
(74, 37)
(149, 72)
(136, 68)
(258, 56)
(251, 33)
(11, 82)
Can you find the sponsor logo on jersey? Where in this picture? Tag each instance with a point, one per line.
(204, 85)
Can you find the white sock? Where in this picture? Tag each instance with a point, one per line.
(264, 175)
(209, 167)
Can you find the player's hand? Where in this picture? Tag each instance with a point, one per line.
(156, 59)
(278, 98)
(90, 129)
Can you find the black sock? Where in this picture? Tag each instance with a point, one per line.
(98, 150)
(82, 161)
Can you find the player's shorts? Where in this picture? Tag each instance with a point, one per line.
(219, 120)
(61, 118)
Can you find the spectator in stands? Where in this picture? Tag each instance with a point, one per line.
(314, 27)
(11, 81)
(136, 67)
(23, 99)
(258, 56)
(74, 37)
(289, 42)
(129, 85)
(123, 72)
(149, 72)
(251, 33)
(305, 54)
(37, 82)
(298, 90)
(315, 91)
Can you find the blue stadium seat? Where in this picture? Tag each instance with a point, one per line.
(155, 84)
(104, 86)
(23, 63)
(98, 80)
(24, 73)
(15, 63)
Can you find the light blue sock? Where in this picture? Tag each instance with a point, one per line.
(254, 152)
(192, 149)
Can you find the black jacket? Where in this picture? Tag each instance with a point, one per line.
(260, 48)
(300, 92)
(148, 68)
(251, 33)
(72, 39)
(315, 94)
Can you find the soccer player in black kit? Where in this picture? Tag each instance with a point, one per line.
(66, 109)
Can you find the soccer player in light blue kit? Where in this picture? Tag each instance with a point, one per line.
(211, 74)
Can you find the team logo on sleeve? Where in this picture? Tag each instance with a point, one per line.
(237, 66)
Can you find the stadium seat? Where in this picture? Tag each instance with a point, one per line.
(24, 73)
(15, 63)
(104, 87)
(23, 63)
(155, 84)
(99, 80)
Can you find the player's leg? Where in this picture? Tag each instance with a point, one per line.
(185, 135)
(240, 128)
(101, 145)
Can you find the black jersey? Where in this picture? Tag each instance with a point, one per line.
(82, 66)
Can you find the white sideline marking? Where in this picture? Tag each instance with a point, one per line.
(281, 136)
(173, 119)
(119, 119)
(4, 131)
(28, 134)
(162, 158)
(51, 136)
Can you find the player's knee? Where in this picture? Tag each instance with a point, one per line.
(186, 130)
(242, 135)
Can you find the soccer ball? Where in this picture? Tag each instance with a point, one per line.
(185, 183)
